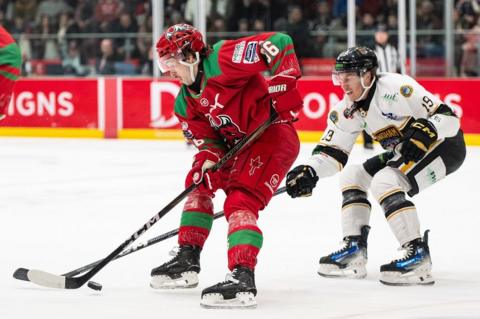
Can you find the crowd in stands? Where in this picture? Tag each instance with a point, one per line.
(88, 37)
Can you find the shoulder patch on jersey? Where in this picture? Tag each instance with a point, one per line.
(406, 90)
(333, 116)
(251, 55)
(238, 52)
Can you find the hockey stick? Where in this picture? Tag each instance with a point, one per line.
(47, 279)
(21, 273)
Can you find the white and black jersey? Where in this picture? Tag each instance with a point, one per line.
(392, 103)
(388, 59)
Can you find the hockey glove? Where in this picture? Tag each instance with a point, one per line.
(206, 181)
(286, 99)
(417, 140)
(301, 181)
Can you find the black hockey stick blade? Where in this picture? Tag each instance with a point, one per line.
(22, 273)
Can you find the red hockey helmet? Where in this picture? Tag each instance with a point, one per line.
(175, 41)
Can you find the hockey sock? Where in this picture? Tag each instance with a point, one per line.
(355, 211)
(197, 219)
(244, 240)
(402, 217)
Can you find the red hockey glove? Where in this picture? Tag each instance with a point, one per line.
(208, 182)
(285, 97)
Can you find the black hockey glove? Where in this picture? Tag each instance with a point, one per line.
(301, 181)
(417, 140)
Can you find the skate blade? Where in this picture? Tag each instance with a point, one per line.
(242, 300)
(412, 278)
(188, 279)
(333, 271)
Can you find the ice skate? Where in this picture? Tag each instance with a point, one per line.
(237, 291)
(413, 269)
(180, 272)
(348, 262)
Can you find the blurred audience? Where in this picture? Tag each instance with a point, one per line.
(53, 30)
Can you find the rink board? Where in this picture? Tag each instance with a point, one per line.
(142, 108)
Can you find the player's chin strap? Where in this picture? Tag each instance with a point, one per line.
(192, 65)
(365, 88)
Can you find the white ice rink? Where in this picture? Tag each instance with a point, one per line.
(67, 202)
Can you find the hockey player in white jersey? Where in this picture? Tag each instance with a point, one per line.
(423, 143)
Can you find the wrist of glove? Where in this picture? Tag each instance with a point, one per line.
(417, 140)
(200, 174)
(301, 181)
(286, 99)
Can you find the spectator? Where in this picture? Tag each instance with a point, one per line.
(25, 9)
(298, 29)
(106, 62)
(146, 63)
(144, 43)
(323, 17)
(106, 11)
(51, 9)
(73, 63)
(367, 27)
(45, 47)
(470, 63)
(126, 46)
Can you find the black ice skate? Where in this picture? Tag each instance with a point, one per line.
(237, 291)
(413, 269)
(348, 262)
(180, 272)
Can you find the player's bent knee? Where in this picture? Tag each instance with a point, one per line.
(355, 176)
(240, 200)
(386, 182)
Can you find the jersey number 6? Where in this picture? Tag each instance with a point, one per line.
(271, 50)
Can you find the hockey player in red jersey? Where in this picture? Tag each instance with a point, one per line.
(224, 97)
(10, 63)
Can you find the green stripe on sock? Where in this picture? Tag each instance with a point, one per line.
(245, 237)
(197, 219)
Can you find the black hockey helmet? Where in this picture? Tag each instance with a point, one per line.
(356, 59)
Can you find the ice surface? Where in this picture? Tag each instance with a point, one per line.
(67, 202)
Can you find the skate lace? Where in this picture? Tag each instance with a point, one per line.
(230, 277)
(345, 244)
(174, 251)
(407, 253)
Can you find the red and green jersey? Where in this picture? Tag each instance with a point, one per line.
(234, 99)
(10, 63)
(10, 58)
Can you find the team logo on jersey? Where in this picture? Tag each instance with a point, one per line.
(390, 98)
(388, 137)
(333, 116)
(406, 90)
(227, 128)
(251, 55)
(254, 164)
(204, 102)
(238, 52)
(217, 104)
